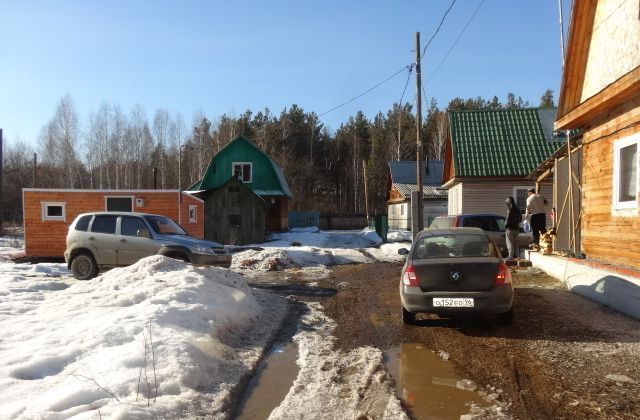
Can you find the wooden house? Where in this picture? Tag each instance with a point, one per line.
(600, 97)
(489, 155)
(401, 182)
(49, 212)
(242, 160)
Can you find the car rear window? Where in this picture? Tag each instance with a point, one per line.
(83, 223)
(104, 224)
(453, 246)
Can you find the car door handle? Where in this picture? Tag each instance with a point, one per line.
(123, 240)
(91, 238)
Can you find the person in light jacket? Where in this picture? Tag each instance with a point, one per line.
(536, 214)
(512, 228)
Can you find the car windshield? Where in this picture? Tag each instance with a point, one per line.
(453, 246)
(164, 226)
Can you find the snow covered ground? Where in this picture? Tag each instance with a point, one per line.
(164, 339)
(314, 248)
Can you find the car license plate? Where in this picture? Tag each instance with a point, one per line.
(454, 302)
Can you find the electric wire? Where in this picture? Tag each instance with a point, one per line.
(424, 50)
(406, 84)
(367, 91)
(455, 42)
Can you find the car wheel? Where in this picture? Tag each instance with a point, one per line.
(84, 267)
(408, 318)
(506, 318)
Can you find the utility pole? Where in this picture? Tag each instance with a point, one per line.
(418, 216)
(35, 166)
(1, 169)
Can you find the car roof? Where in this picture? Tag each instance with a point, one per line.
(471, 214)
(117, 213)
(454, 231)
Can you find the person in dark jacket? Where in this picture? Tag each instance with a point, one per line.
(512, 228)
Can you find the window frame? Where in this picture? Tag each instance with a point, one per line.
(515, 195)
(106, 201)
(242, 164)
(618, 145)
(44, 213)
(194, 208)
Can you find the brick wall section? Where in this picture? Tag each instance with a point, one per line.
(47, 238)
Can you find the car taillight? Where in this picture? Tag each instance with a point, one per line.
(409, 278)
(504, 275)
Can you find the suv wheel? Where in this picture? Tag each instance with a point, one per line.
(84, 267)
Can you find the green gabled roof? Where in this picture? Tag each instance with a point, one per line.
(267, 178)
(505, 142)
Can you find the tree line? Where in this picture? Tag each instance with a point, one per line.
(117, 149)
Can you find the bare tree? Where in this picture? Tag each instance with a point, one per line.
(161, 127)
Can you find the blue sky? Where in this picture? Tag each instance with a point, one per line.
(219, 57)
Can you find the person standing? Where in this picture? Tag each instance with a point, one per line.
(512, 228)
(536, 214)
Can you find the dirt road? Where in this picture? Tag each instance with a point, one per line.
(563, 357)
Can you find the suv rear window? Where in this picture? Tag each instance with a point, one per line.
(83, 223)
(486, 223)
(441, 223)
(104, 224)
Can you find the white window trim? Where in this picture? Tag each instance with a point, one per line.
(131, 197)
(628, 141)
(46, 204)
(243, 163)
(193, 219)
(515, 190)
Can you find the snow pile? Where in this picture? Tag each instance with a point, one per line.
(11, 248)
(335, 384)
(399, 236)
(159, 338)
(312, 247)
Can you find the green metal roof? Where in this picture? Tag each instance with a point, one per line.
(505, 142)
(267, 177)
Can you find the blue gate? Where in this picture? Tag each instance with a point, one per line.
(301, 219)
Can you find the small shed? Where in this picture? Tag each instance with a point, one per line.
(239, 212)
(401, 182)
(251, 166)
(49, 212)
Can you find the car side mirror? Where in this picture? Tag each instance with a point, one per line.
(403, 251)
(143, 233)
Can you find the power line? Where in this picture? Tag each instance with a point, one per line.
(406, 84)
(455, 42)
(367, 91)
(438, 29)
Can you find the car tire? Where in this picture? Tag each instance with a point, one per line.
(84, 267)
(408, 318)
(505, 318)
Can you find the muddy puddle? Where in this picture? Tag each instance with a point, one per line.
(272, 382)
(429, 386)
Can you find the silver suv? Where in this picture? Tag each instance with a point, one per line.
(109, 239)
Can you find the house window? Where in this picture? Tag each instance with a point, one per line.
(118, 203)
(53, 211)
(243, 171)
(234, 220)
(625, 173)
(520, 195)
(401, 209)
(193, 213)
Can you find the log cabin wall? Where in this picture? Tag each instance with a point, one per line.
(608, 234)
